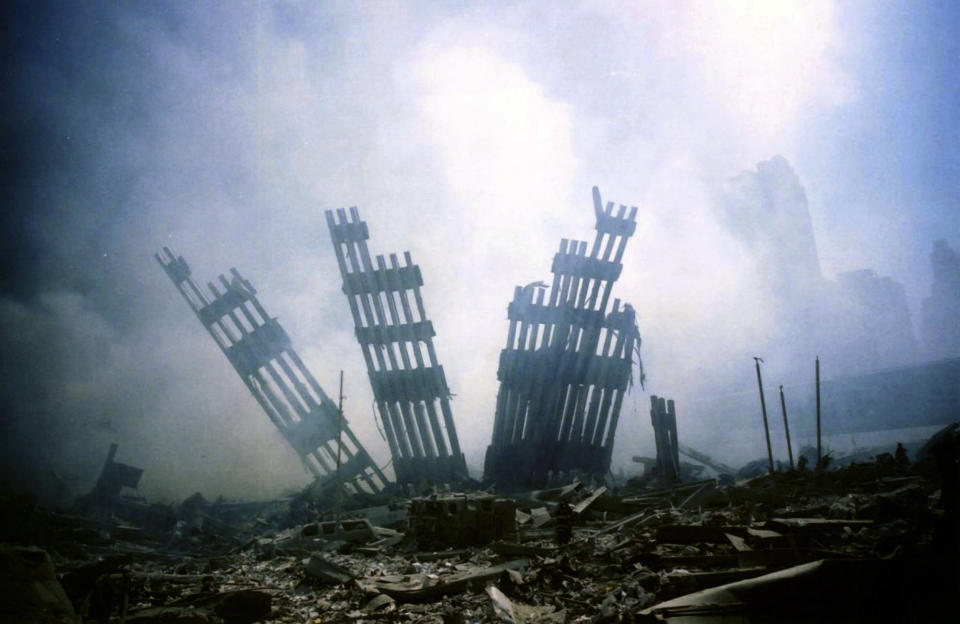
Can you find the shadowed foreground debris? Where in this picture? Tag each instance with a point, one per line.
(872, 541)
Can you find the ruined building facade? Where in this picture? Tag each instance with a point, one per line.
(857, 322)
(567, 362)
(869, 320)
(767, 210)
(261, 352)
(396, 338)
(941, 310)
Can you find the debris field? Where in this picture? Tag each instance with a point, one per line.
(864, 542)
(550, 535)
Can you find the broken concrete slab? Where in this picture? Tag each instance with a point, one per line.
(381, 603)
(325, 571)
(29, 589)
(513, 549)
(517, 613)
(168, 615)
(824, 590)
(358, 530)
(692, 533)
(585, 504)
(241, 606)
(421, 588)
(540, 516)
(638, 518)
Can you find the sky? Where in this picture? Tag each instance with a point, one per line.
(469, 134)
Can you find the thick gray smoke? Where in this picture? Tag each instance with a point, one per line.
(471, 137)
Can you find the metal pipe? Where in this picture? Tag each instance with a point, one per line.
(819, 447)
(763, 408)
(339, 434)
(786, 427)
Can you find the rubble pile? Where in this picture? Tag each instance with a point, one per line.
(866, 542)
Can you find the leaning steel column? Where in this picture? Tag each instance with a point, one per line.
(262, 354)
(409, 385)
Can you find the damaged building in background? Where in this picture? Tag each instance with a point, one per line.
(941, 309)
(396, 339)
(261, 352)
(567, 362)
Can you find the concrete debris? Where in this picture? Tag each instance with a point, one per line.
(864, 542)
(381, 603)
(462, 520)
(29, 589)
(585, 504)
(326, 571)
(427, 587)
(834, 590)
(517, 613)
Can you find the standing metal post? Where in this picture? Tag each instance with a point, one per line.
(786, 427)
(674, 445)
(819, 448)
(339, 435)
(763, 408)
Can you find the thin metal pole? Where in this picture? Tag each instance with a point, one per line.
(763, 408)
(339, 436)
(786, 427)
(819, 447)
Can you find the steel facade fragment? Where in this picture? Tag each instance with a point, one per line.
(567, 362)
(261, 352)
(396, 338)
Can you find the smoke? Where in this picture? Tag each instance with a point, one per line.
(469, 136)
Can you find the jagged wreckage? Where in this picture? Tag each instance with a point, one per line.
(411, 394)
(261, 352)
(567, 363)
(563, 375)
(693, 551)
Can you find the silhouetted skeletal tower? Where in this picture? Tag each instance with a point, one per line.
(396, 339)
(567, 363)
(261, 353)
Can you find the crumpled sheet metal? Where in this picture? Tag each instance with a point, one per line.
(828, 590)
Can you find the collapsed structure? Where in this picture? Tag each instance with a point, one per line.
(567, 362)
(113, 478)
(261, 352)
(390, 328)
